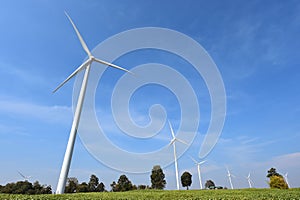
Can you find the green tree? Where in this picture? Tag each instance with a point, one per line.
(158, 178)
(272, 172)
(124, 184)
(23, 187)
(186, 180)
(278, 182)
(100, 187)
(210, 184)
(276, 179)
(114, 186)
(93, 183)
(37, 187)
(71, 186)
(82, 187)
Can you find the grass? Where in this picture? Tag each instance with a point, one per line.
(183, 194)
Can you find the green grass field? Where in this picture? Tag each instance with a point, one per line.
(183, 194)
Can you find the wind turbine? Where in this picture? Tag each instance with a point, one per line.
(84, 66)
(174, 139)
(25, 177)
(286, 179)
(199, 172)
(249, 180)
(229, 177)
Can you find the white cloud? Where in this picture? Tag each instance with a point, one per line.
(50, 114)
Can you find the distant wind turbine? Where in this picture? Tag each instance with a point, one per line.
(25, 177)
(229, 177)
(199, 172)
(173, 141)
(85, 66)
(286, 179)
(250, 182)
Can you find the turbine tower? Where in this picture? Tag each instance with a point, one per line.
(249, 180)
(199, 172)
(84, 66)
(173, 141)
(286, 179)
(229, 178)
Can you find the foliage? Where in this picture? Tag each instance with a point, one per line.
(186, 180)
(93, 183)
(278, 182)
(82, 187)
(100, 187)
(240, 194)
(71, 186)
(113, 186)
(272, 172)
(143, 187)
(210, 184)
(124, 184)
(157, 178)
(25, 187)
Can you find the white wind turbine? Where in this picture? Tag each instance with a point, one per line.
(199, 172)
(173, 141)
(25, 177)
(85, 66)
(229, 177)
(286, 179)
(250, 182)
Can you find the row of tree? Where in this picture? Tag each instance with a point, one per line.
(25, 187)
(124, 184)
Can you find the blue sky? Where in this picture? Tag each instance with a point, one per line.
(254, 44)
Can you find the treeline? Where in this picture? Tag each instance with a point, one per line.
(123, 184)
(25, 187)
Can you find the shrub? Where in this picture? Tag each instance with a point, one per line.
(278, 182)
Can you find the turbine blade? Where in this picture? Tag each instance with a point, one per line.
(183, 142)
(202, 162)
(112, 65)
(83, 44)
(193, 160)
(73, 74)
(21, 174)
(173, 135)
(227, 170)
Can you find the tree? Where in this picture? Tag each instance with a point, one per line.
(114, 186)
(210, 184)
(101, 187)
(93, 183)
(71, 186)
(124, 184)
(83, 187)
(272, 172)
(278, 182)
(158, 178)
(25, 187)
(186, 180)
(141, 187)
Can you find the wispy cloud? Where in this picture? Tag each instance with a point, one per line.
(49, 114)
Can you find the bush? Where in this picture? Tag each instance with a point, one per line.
(278, 182)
